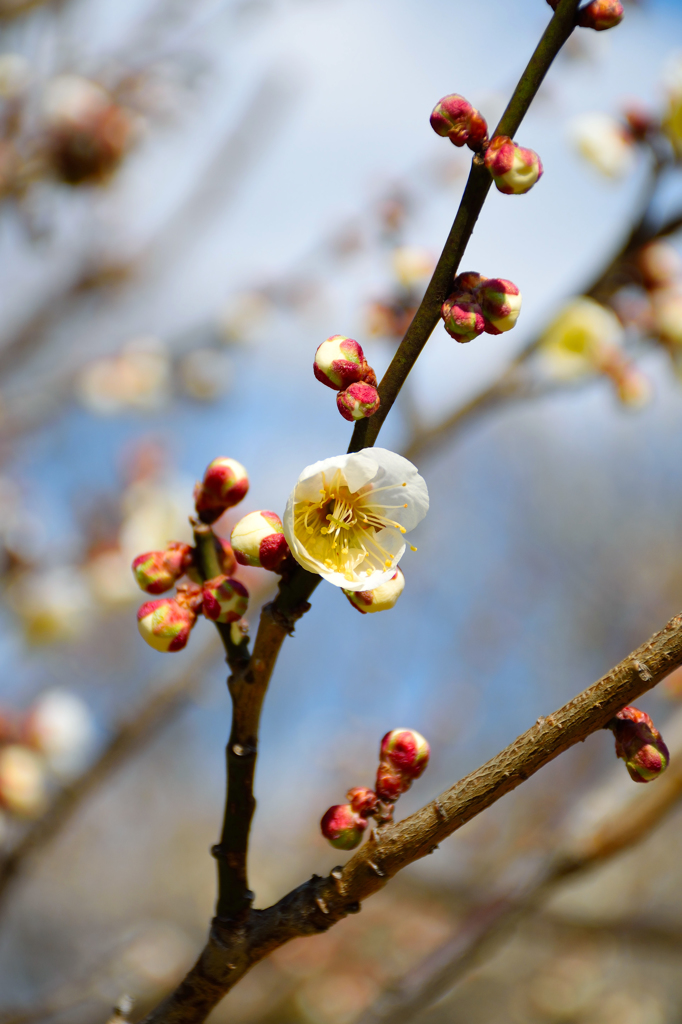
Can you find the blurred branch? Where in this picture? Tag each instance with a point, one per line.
(475, 192)
(147, 720)
(489, 925)
(321, 902)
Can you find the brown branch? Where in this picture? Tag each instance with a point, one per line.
(321, 902)
(488, 926)
(146, 721)
(477, 187)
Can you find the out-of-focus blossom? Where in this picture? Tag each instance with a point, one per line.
(224, 485)
(601, 15)
(343, 827)
(244, 314)
(15, 74)
(347, 516)
(258, 540)
(660, 264)
(514, 169)
(224, 599)
(666, 305)
(412, 265)
(139, 378)
(60, 726)
(53, 604)
(605, 142)
(390, 319)
(454, 118)
(108, 576)
(154, 512)
(672, 122)
(581, 339)
(22, 781)
(88, 132)
(358, 401)
(205, 374)
(381, 598)
(633, 387)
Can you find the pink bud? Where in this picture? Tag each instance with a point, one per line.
(463, 320)
(157, 571)
(601, 14)
(339, 362)
(358, 401)
(467, 285)
(258, 539)
(406, 750)
(165, 624)
(390, 781)
(454, 118)
(514, 169)
(224, 599)
(500, 304)
(225, 483)
(639, 744)
(381, 598)
(363, 800)
(343, 827)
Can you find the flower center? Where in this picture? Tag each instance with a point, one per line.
(341, 528)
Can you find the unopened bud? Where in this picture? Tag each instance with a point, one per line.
(639, 744)
(381, 598)
(22, 781)
(390, 782)
(339, 362)
(343, 827)
(157, 571)
(454, 118)
(363, 800)
(258, 539)
(225, 483)
(463, 320)
(358, 401)
(406, 750)
(500, 304)
(467, 285)
(513, 168)
(224, 599)
(601, 14)
(165, 624)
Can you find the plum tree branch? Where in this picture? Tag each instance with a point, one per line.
(321, 902)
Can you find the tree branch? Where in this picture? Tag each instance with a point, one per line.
(477, 187)
(321, 902)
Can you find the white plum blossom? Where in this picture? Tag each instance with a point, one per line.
(604, 142)
(347, 516)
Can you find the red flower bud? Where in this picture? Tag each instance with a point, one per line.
(224, 599)
(601, 14)
(343, 827)
(406, 750)
(454, 118)
(165, 624)
(466, 285)
(639, 744)
(500, 304)
(362, 799)
(225, 483)
(258, 539)
(513, 168)
(358, 401)
(339, 362)
(391, 782)
(157, 571)
(463, 320)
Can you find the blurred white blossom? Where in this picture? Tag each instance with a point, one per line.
(604, 142)
(61, 727)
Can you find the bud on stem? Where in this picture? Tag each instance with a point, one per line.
(639, 744)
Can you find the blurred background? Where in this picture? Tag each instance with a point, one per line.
(192, 197)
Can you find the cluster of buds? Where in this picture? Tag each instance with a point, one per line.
(639, 744)
(340, 364)
(454, 118)
(513, 168)
(403, 757)
(479, 304)
(381, 598)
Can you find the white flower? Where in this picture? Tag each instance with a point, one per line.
(604, 142)
(346, 517)
(583, 338)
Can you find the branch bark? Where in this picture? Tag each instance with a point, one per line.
(321, 902)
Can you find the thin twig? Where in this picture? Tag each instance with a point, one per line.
(321, 902)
